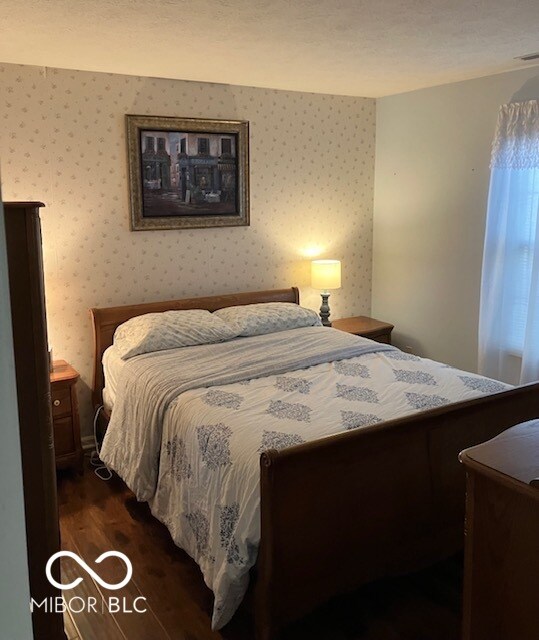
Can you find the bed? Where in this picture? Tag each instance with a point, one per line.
(338, 510)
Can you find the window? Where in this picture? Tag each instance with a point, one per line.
(509, 308)
(203, 146)
(149, 144)
(183, 145)
(226, 146)
(523, 249)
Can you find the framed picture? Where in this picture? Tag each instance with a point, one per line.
(187, 173)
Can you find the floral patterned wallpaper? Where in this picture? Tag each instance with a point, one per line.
(62, 141)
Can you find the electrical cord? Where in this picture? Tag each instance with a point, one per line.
(101, 470)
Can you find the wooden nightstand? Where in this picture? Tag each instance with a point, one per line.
(65, 416)
(365, 327)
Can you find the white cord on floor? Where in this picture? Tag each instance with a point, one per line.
(101, 470)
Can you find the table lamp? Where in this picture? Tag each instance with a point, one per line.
(325, 275)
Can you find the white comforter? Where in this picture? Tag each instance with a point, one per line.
(189, 424)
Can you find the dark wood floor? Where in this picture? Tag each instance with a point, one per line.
(97, 516)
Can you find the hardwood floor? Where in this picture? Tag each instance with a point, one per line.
(97, 516)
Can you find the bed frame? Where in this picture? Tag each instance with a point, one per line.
(354, 507)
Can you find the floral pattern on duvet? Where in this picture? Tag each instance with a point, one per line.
(208, 486)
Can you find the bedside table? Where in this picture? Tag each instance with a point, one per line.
(365, 327)
(65, 416)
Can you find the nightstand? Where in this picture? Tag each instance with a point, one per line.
(65, 416)
(365, 327)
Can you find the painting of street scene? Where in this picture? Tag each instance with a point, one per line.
(188, 174)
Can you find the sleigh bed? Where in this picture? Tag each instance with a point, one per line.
(357, 506)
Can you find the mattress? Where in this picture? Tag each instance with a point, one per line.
(112, 367)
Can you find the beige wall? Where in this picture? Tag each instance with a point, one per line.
(312, 170)
(431, 187)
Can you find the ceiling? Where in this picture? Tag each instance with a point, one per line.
(350, 47)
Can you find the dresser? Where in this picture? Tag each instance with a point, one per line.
(501, 573)
(65, 414)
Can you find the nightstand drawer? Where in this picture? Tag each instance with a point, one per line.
(63, 436)
(61, 402)
(381, 337)
(65, 414)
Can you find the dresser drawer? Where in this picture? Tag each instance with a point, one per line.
(61, 402)
(63, 436)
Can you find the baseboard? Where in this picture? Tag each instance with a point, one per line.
(88, 443)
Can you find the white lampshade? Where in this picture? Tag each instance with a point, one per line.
(326, 274)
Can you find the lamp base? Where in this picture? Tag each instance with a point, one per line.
(324, 310)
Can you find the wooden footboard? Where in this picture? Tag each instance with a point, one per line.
(388, 499)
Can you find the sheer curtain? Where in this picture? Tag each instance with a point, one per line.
(509, 311)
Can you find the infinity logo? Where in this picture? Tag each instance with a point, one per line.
(103, 556)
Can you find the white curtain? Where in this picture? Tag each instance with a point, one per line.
(509, 312)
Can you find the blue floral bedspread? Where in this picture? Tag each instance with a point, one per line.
(188, 427)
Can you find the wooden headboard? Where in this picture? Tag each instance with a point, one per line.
(106, 320)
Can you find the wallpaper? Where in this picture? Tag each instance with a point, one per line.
(62, 141)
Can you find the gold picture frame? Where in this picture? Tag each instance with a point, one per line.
(187, 173)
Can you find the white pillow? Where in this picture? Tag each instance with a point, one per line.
(169, 330)
(267, 317)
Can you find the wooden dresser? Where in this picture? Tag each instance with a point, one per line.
(65, 414)
(501, 573)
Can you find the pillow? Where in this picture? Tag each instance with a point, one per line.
(169, 330)
(267, 317)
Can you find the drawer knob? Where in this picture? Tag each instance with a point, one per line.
(56, 403)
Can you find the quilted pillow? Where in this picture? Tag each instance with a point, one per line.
(267, 317)
(169, 330)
